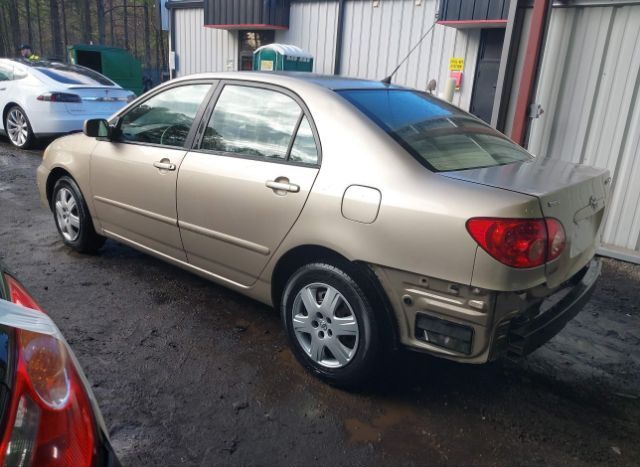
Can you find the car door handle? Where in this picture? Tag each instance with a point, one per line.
(282, 186)
(164, 165)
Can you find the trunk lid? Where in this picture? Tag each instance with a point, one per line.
(98, 100)
(574, 194)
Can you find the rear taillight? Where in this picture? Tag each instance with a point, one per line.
(19, 295)
(51, 416)
(59, 97)
(519, 243)
(556, 238)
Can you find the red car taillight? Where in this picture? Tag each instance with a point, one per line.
(50, 417)
(60, 97)
(519, 243)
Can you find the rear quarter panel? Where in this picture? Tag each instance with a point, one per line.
(420, 226)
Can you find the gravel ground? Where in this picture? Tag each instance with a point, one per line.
(189, 373)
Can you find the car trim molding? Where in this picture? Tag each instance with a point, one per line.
(142, 212)
(173, 260)
(261, 249)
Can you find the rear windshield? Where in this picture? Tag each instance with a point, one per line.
(72, 74)
(438, 135)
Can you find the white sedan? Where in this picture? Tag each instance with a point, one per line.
(45, 98)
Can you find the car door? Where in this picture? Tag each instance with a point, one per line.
(243, 186)
(133, 176)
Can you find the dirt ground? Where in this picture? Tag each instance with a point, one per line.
(189, 373)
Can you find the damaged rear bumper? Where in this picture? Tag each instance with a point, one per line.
(472, 325)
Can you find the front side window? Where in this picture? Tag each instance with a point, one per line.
(437, 134)
(256, 122)
(166, 118)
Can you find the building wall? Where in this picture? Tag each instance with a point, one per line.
(588, 86)
(199, 49)
(375, 40)
(313, 27)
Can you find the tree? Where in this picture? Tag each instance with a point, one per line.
(39, 23)
(85, 24)
(54, 23)
(126, 24)
(100, 17)
(147, 34)
(14, 23)
(27, 11)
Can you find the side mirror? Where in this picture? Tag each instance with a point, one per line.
(97, 128)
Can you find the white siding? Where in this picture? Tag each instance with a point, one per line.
(589, 85)
(374, 41)
(377, 39)
(199, 49)
(313, 28)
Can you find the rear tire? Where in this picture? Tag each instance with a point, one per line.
(18, 128)
(72, 217)
(331, 325)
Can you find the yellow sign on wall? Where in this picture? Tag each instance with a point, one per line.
(456, 64)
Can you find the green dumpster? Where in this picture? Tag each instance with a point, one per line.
(116, 64)
(275, 57)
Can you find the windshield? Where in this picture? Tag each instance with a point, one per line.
(73, 74)
(438, 135)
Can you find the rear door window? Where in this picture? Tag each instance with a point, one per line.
(261, 123)
(6, 72)
(438, 135)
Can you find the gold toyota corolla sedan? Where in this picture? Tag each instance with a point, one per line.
(373, 216)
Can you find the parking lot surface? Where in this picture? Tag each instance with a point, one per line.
(189, 373)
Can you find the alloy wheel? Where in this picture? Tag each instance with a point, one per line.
(325, 325)
(67, 214)
(17, 127)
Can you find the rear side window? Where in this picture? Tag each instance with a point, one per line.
(73, 74)
(260, 123)
(6, 72)
(438, 135)
(165, 118)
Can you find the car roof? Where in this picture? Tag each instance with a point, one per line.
(332, 82)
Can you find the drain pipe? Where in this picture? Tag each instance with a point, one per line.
(539, 21)
(339, 37)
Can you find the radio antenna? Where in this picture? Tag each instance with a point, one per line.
(387, 80)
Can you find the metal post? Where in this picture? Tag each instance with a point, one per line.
(541, 9)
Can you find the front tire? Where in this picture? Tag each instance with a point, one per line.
(72, 217)
(331, 325)
(18, 128)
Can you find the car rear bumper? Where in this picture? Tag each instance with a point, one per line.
(525, 335)
(472, 325)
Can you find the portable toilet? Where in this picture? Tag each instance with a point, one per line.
(115, 63)
(278, 57)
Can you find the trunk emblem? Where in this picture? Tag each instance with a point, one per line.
(593, 202)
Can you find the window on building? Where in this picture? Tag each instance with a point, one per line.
(249, 41)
